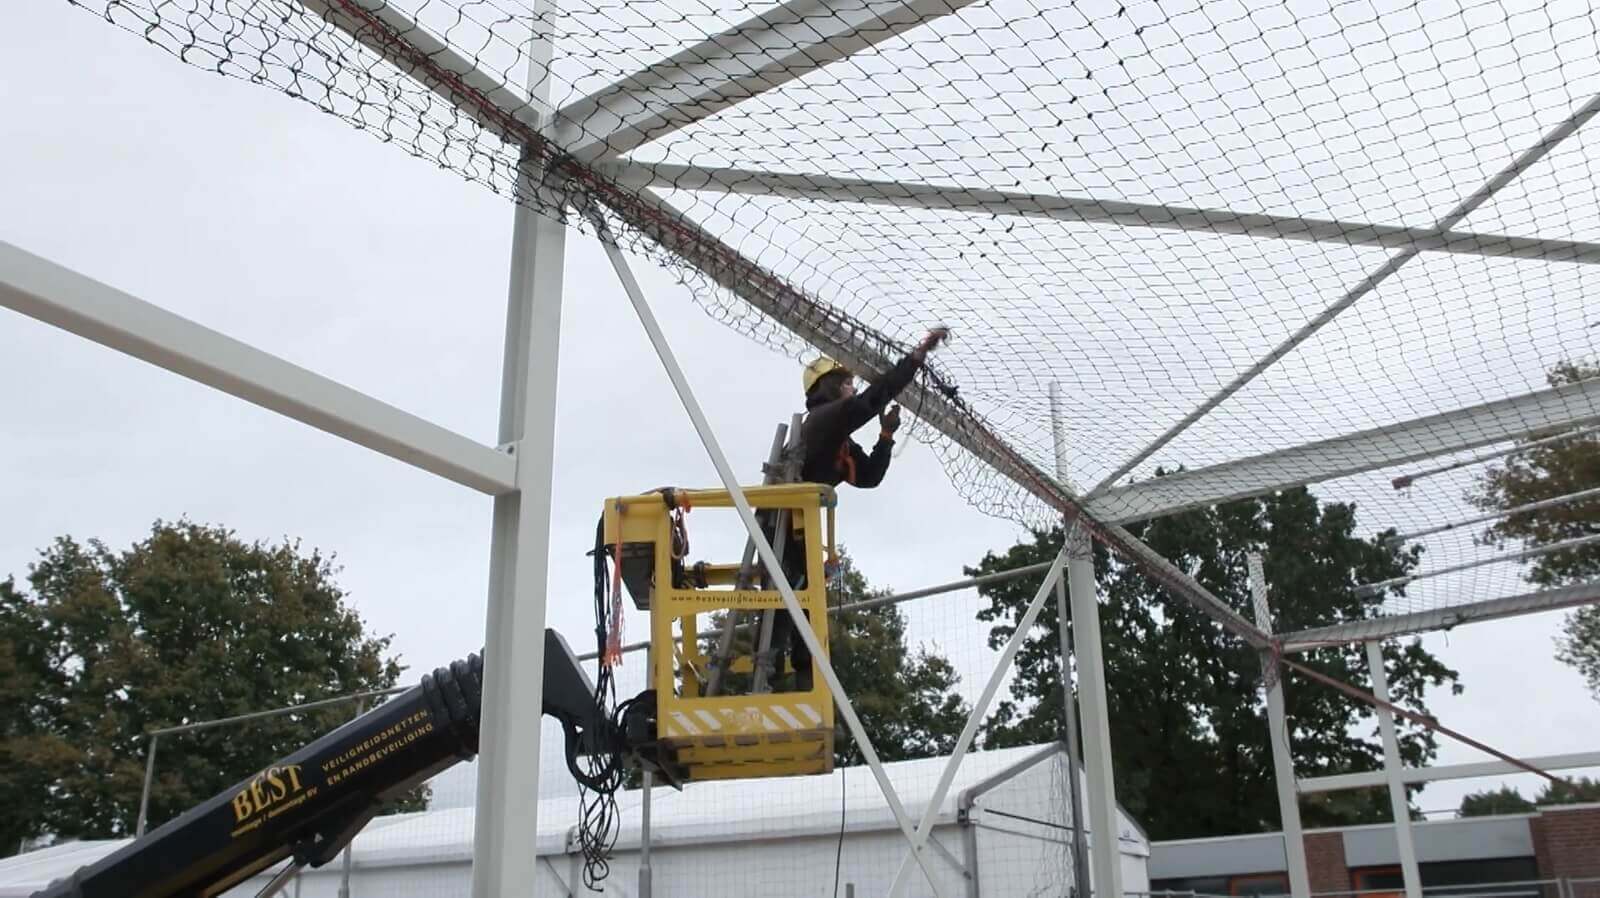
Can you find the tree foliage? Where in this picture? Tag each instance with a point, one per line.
(1187, 709)
(1545, 472)
(189, 624)
(1570, 791)
(1506, 800)
(905, 697)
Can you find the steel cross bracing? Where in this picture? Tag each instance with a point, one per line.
(1390, 626)
(755, 182)
(1356, 453)
(764, 549)
(1566, 128)
(975, 719)
(761, 53)
(1415, 775)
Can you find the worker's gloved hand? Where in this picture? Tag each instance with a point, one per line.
(889, 422)
(932, 340)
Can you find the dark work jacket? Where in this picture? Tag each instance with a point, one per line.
(831, 456)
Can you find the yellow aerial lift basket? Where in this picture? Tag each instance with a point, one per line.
(727, 736)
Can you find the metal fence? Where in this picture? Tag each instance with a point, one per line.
(1588, 887)
(1531, 888)
(1584, 887)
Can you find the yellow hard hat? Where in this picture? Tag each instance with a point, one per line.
(817, 370)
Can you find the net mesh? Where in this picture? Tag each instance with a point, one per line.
(1142, 203)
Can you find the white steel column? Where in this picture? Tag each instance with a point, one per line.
(503, 859)
(1069, 700)
(1104, 827)
(1392, 772)
(1294, 845)
(819, 652)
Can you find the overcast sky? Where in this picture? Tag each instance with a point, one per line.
(253, 214)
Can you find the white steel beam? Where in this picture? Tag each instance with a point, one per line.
(1105, 847)
(1294, 846)
(1369, 450)
(940, 197)
(1444, 618)
(1408, 480)
(1400, 805)
(1370, 589)
(769, 558)
(1069, 698)
(1414, 775)
(56, 295)
(1457, 214)
(749, 59)
(506, 821)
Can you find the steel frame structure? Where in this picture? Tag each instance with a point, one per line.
(751, 58)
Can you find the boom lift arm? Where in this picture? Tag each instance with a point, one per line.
(309, 805)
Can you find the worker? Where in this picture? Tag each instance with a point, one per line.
(835, 411)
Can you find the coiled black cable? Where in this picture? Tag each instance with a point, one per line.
(599, 772)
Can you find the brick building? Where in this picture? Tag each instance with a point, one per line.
(1460, 856)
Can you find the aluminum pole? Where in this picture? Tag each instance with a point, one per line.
(349, 847)
(1294, 844)
(506, 823)
(819, 652)
(1400, 539)
(730, 621)
(289, 873)
(1069, 700)
(277, 712)
(1392, 771)
(789, 472)
(149, 780)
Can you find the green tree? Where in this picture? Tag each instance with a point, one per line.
(24, 756)
(1545, 472)
(1504, 800)
(1188, 722)
(189, 624)
(1570, 791)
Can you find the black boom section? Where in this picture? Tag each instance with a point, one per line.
(313, 802)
